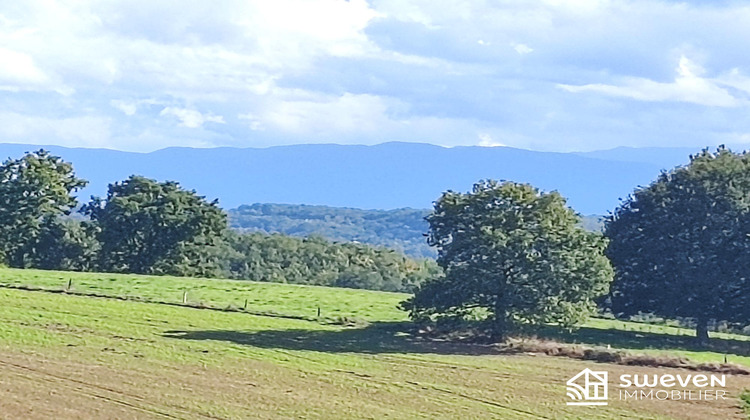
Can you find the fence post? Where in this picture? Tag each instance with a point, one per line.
(184, 297)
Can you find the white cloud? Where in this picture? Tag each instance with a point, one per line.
(191, 118)
(127, 108)
(19, 72)
(688, 86)
(734, 79)
(301, 27)
(77, 131)
(18, 69)
(219, 51)
(521, 49)
(253, 121)
(486, 140)
(347, 113)
(364, 72)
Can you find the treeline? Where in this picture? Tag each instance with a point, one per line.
(147, 227)
(314, 260)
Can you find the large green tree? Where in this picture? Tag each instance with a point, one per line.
(65, 243)
(35, 191)
(514, 252)
(157, 227)
(681, 246)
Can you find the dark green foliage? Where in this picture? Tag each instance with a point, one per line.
(515, 253)
(681, 246)
(401, 229)
(151, 227)
(313, 260)
(65, 244)
(34, 192)
(209, 257)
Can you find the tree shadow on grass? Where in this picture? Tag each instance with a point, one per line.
(377, 338)
(645, 340)
(399, 337)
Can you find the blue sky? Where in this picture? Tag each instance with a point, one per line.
(547, 75)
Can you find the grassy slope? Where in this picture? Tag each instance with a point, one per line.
(283, 299)
(151, 360)
(80, 356)
(303, 301)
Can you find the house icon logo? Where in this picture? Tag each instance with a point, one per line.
(588, 387)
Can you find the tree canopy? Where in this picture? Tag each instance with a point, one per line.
(35, 191)
(147, 226)
(314, 260)
(681, 246)
(515, 253)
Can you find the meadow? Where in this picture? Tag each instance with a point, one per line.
(77, 356)
(290, 300)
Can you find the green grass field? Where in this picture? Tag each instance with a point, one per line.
(65, 356)
(302, 301)
(272, 298)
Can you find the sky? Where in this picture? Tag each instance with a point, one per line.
(547, 75)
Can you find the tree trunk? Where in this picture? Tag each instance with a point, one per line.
(500, 324)
(701, 331)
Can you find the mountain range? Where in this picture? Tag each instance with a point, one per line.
(384, 176)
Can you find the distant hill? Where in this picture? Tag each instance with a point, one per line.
(663, 157)
(400, 229)
(385, 176)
